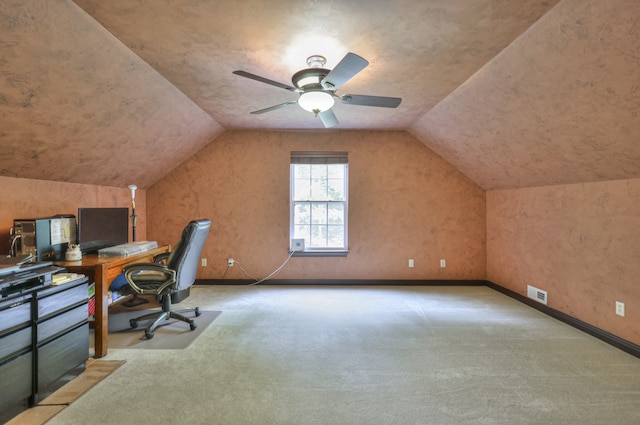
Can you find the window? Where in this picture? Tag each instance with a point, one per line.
(319, 194)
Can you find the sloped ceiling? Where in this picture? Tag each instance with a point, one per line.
(513, 94)
(561, 104)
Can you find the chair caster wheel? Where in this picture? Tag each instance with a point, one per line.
(133, 323)
(148, 334)
(193, 325)
(197, 311)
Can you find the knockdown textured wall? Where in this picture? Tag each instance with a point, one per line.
(580, 243)
(404, 202)
(27, 198)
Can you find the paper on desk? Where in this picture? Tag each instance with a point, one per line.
(60, 278)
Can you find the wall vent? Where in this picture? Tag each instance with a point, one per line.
(537, 294)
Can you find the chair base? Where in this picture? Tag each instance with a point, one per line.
(165, 314)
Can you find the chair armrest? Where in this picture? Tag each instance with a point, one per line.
(145, 267)
(159, 258)
(149, 274)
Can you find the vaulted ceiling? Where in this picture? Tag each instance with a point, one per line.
(512, 93)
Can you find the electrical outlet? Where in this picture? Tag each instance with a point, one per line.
(443, 263)
(619, 308)
(230, 262)
(411, 262)
(204, 262)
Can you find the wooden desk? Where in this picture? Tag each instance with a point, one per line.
(102, 270)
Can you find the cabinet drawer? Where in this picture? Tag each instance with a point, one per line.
(15, 386)
(50, 304)
(15, 342)
(15, 313)
(62, 322)
(61, 355)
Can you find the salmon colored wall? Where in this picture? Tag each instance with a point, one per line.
(27, 198)
(405, 202)
(580, 243)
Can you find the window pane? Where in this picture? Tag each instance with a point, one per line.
(303, 232)
(335, 190)
(335, 213)
(302, 190)
(319, 171)
(336, 171)
(302, 213)
(302, 171)
(318, 190)
(318, 236)
(319, 213)
(335, 235)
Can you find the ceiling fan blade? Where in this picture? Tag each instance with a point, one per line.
(362, 100)
(348, 67)
(328, 118)
(273, 108)
(265, 80)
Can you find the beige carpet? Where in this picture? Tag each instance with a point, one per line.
(171, 335)
(379, 355)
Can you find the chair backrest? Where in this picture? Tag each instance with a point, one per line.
(185, 255)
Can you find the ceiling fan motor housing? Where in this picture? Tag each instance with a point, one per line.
(310, 78)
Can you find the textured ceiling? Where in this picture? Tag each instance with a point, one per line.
(561, 104)
(513, 94)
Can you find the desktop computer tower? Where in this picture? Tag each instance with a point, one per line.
(44, 238)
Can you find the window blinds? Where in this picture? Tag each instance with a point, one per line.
(319, 157)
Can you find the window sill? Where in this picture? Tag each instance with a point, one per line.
(318, 253)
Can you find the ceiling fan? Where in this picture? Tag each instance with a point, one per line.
(317, 88)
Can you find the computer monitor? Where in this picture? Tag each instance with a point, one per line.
(102, 227)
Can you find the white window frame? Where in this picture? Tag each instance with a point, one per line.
(320, 159)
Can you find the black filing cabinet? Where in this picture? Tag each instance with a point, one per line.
(16, 355)
(62, 334)
(44, 342)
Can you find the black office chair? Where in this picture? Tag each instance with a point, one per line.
(172, 281)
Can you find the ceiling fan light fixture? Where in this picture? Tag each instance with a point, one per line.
(316, 101)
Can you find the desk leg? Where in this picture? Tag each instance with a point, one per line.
(102, 312)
